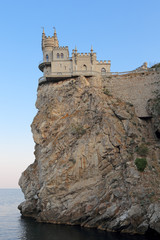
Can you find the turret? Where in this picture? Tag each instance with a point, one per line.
(48, 44)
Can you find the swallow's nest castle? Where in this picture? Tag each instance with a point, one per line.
(57, 64)
(136, 87)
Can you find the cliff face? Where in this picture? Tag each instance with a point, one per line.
(84, 172)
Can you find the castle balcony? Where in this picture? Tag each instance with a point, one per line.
(60, 76)
(44, 64)
(54, 77)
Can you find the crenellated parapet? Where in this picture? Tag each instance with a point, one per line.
(49, 42)
(85, 54)
(103, 62)
(62, 48)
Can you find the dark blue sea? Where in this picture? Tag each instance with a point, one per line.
(13, 226)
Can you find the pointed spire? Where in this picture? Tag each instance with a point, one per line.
(55, 33)
(43, 38)
(43, 33)
(91, 54)
(55, 38)
(75, 55)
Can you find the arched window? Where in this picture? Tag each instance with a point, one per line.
(84, 67)
(57, 55)
(103, 71)
(62, 55)
(47, 58)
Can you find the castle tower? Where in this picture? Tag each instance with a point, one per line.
(48, 44)
(57, 65)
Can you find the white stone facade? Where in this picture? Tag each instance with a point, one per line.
(57, 64)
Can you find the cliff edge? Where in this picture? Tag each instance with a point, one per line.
(96, 163)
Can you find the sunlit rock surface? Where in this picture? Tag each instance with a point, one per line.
(84, 171)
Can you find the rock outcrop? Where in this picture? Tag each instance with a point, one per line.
(153, 108)
(84, 172)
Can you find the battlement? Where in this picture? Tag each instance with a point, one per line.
(103, 62)
(47, 38)
(49, 42)
(83, 54)
(74, 51)
(62, 48)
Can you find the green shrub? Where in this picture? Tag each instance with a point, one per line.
(107, 92)
(150, 168)
(141, 164)
(78, 130)
(142, 150)
(132, 141)
(130, 104)
(72, 160)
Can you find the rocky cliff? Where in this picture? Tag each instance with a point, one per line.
(96, 163)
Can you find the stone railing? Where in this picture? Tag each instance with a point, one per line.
(85, 73)
(134, 71)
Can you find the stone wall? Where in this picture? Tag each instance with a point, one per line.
(136, 88)
(61, 66)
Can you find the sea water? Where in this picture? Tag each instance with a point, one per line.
(13, 226)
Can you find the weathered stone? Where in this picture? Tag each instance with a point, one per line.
(121, 114)
(153, 108)
(154, 216)
(85, 171)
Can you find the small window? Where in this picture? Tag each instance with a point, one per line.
(47, 58)
(84, 67)
(103, 71)
(57, 55)
(62, 55)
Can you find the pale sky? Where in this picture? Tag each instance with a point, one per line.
(123, 31)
